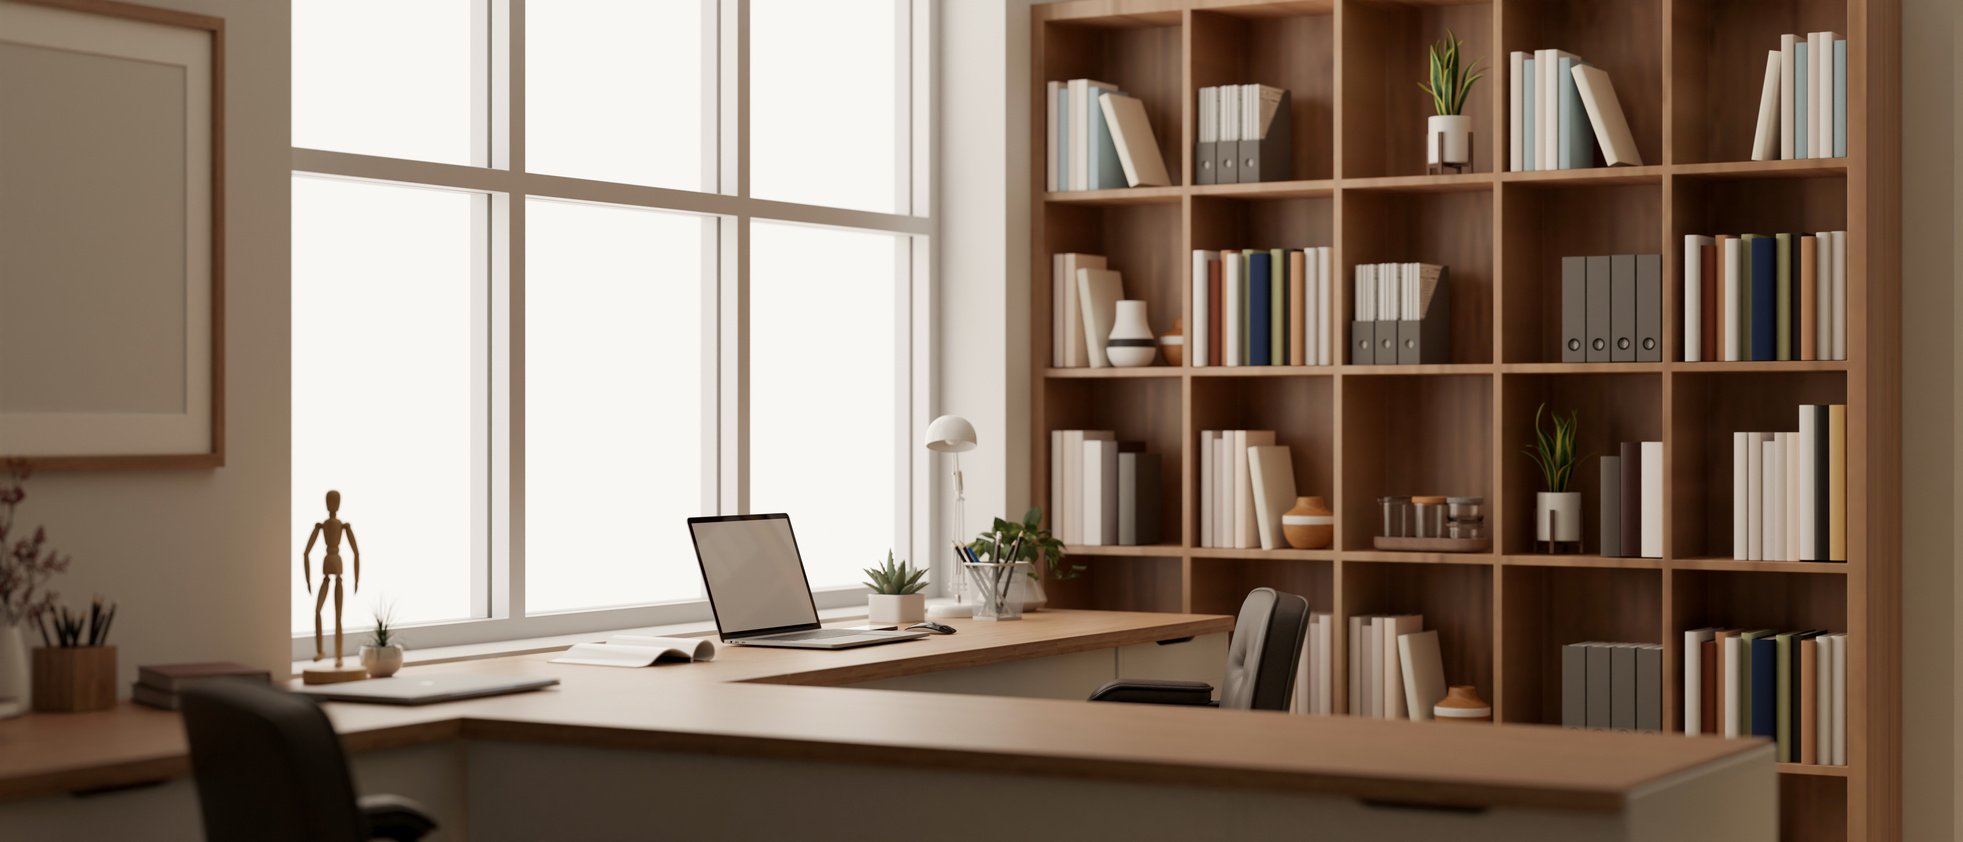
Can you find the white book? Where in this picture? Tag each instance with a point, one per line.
(1548, 119)
(1694, 679)
(1373, 667)
(1074, 479)
(1230, 113)
(1840, 699)
(1309, 308)
(1355, 647)
(1101, 289)
(1053, 89)
(1823, 700)
(1734, 651)
(1324, 293)
(1077, 169)
(1809, 434)
(1076, 350)
(1765, 141)
(1839, 295)
(1397, 626)
(1232, 307)
(1209, 120)
(1100, 493)
(1247, 529)
(1223, 490)
(1788, 45)
(1741, 495)
(1729, 262)
(1197, 338)
(1652, 513)
(1773, 491)
(1791, 519)
(1822, 88)
(1059, 337)
(1516, 62)
(1131, 133)
(1273, 473)
(1694, 296)
(1326, 670)
(1755, 504)
(1605, 116)
(1207, 440)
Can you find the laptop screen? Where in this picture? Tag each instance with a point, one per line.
(755, 577)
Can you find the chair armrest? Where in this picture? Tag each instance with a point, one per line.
(395, 818)
(1149, 692)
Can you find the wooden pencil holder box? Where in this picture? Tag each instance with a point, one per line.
(74, 679)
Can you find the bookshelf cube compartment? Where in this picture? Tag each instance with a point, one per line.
(1286, 47)
(1545, 223)
(1142, 582)
(1812, 808)
(1406, 435)
(1718, 52)
(1624, 38)
(1139, 53)
(1288, 222)
(1220, 584)
(1751, 599)
(1140, 242)
(1142, 410)
(1610, 408)
(1297, 408)
(1452, 228)
(1710, 407)
(1456, 600)
(1768, 204)
(1384, 112)
(1550, 607)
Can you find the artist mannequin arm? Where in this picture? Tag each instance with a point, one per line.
(306, 564)
(356, 547)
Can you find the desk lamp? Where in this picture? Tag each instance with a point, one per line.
(953, 434)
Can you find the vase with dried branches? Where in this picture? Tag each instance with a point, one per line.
(26, 565)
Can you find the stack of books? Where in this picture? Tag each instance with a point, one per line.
(1395, 668)
(1560, 110)
(1102, 491)
(157, 686)
(1244, 135)
(1803, 102)
(1789, 490)
(1100, 139)
(1760, 297)
(1084, 296)
(1632, 501)
(1260, 307)
(1247, 482)
(1612, 686)
(1788, 686)
(1315, 678)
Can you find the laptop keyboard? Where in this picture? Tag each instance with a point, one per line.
(815, 634)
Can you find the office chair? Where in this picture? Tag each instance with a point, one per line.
(1261, 661)
(269, 766)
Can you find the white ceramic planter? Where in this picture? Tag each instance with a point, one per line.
(1131, 343)
(892, 610)
(1448, 140)
(1565, 509)
(381, 661)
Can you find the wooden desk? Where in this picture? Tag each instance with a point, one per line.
(752, 717)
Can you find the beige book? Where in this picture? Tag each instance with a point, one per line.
(1424, 672)
(1393, 671)
(1605, 114)
(1246, 524)
(1273, 473)
(1098, 291)
(1138, 150)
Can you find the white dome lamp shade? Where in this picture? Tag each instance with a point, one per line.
(953, 434)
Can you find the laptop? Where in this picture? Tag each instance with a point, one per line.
(758, 589)
(412, 689)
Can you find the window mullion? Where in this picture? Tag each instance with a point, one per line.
(510, 597)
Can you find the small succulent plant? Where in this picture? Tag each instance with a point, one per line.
(895, 578)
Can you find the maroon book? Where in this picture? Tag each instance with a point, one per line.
(1707, 661)
(1215, 342)
(1711, 302)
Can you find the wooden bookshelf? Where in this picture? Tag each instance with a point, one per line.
(1687, 73)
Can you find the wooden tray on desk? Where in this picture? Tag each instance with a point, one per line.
(1433, 545)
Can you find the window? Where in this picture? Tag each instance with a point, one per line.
(548, 304)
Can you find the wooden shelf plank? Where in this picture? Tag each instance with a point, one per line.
(1451, 183)
(1269, 190)
(1120, 196)
(1802, 167)
(1816, 567)
(1813, 770)
(1282, 555)
(1479, 559)
(1754, 366)
(1416, 370)
(1581, 368)
(1591, 175)
(1263, 371)
(1114, 373)
(1585, 561)
(1114, 551)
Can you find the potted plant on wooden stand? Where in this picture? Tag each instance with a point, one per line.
(896, 598)
(1557, 511)
(381, 656)
(1448, 132)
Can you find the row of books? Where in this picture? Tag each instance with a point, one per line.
(1315, 678)
(1559, 110)
(1084, 296)
(158, 685)
(1612, 308)
(1395, 669)
(1247, 482)
(1102, 491)
(1612, 686)
(1803, 102)
(1760, 297)
(1244, 135)
(1632, 501)
(1261, 307)
(1787, 686)
(1100, 139)
(1789, 490)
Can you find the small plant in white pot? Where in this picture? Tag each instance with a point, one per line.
(1557, 511)
(381, 656)
(896, 598)
(1448, 132)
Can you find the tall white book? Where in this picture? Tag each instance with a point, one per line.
(1652, 509)
(1840, 295)
(1742, 445)
(1197, 336)
(1808, 439)
(1355, 647)
(1756, 445)
(1393, 670)
(1773, 498)
(1232, 306)
(1246, 526)
(1788, 47)
(1516, 62)
(1765, 141)
(1325, 294)
(1822, 326)
(1694, 295)
(1840, 699)
(1734, 651)
(1100, 492)
(1791, 543)
(1053, 90)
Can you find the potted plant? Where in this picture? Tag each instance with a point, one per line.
(26, 564)
(1448, 132)
(896, 599)
(1557, 511)
(1027, 542)
(381, 656)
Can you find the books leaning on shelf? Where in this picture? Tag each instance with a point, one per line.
(1102, 491)
(1315, 678)
(1401, 314)
(1099, 139)
(1759, 297)
(1244, 135)
(1395, 671)
(1260, 307)
(1789, 490)
(1084, 297)
(1612, 686)
(1246, 484)
(157, 686)
(1560, 110)
(1803, 99)
(1632, 501)
(1787, 686)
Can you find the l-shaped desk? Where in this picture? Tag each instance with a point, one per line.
(988, 739)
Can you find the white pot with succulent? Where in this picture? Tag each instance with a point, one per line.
(381, 656)
(1448, 132)
(896, 598)
(26, 565)
(1557, 511)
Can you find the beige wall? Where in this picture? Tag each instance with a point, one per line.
(198, 560)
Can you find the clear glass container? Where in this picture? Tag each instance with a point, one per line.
(1465, 509)
(1429, 517)
(997, 585)
(1396, 517)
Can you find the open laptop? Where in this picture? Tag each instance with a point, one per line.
(758, 590)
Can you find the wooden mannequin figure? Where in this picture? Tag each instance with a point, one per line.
(330, 572)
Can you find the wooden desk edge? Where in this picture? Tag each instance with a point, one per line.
(860, 673)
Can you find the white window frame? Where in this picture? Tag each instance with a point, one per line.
(498, 591)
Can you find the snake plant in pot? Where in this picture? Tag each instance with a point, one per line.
(1557, 511)
(896, 598)
(1448, 132)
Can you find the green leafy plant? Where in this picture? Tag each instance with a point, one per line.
(384, 634)
(895, 578)
(1449, 83)
(1010, 541)
(1555, 454)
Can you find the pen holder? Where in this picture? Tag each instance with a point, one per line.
(74, 679)
(995, 583)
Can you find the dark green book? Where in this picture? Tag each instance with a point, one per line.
(1783, 677)
(1744, 667)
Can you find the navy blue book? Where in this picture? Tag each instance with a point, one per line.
(1765, 685)
(1260, 343)
(1765, 298)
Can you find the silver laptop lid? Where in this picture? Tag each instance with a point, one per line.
(754, 575)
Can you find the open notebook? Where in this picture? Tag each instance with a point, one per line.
(633, 650)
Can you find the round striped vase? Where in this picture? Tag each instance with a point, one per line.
(1310, 525)
(1131, 343)
(1462, 704)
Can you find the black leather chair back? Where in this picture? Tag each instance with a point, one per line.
(268, 766)
(1265, 652)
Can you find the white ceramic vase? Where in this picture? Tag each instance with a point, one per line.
(1034, 597)
(1131, 344)
(895, 609)
(15, 676)
(381, 661)
(1557, 517)
(1448, 140)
